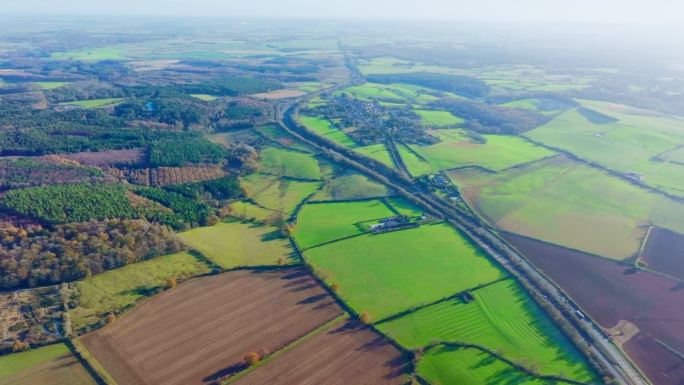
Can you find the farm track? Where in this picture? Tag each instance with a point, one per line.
(610, 358)
(198, 332)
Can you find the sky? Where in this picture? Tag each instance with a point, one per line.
(606, 11)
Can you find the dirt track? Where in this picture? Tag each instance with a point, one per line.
(346, 354)
(199, 331)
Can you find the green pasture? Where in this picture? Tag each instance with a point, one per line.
(570, 204)
(233, 244)
(50, 85)
(444, 365)
(205, 97)
(279, 194)
(378, 152)
(456, 149)
(90, 54)
(117, 290)
(323, 222)
(350, 186)
(277, 134)
(248, 211)
(325, 128)
(501, 317)
(13, 363)
(384, 274)
(293, 164)
(438, 118)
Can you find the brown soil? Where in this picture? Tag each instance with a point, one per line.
(346, 354)
(610, 292)
(660, 365)
(200, 331)
(664, 252)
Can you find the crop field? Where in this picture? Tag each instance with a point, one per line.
(232, 244)
(457, 150)
(427, 263)
(94, 103)
(199, 332)
(642, 134)
(350, 186)
(664, 252)
(324, 222)
(502, 317)
(289, 163)
(568, 203)
(345, 354)
(438, 118)
(392, 93)
(444, 365)
(278, 194)
(610, 292)
(49, 365)
(117, 290)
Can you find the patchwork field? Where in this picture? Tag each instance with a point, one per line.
(199, 332)
(248, 211)
(378, 152)
(233, 244)
(644, 135)
(49, 365)
(501, 317)
(664, 252)
(279, 194)
(345, 354)
(443, 365)
(567, 203)
(289, 163)
(457, 150)
(388, 273)
(324, 222)
(610, 292)
(117, 290)
(325, 128)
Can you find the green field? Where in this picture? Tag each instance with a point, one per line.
(294, 164)
(642, 134)
(350, 186)
(565, 202)
(205, 97)
(278, 135)
(444, 365)
(455, 149)
(117, 290)
(438, 118)
(50, 85)
(248, 211)
(325, 128)
(323, 222)
(279, 194)
(388, 273)
(94, 103)
(503, 318)
(92, 54)
(392, 93)
(404, 207)
(235, 244)
(49, 365)
(378, 152)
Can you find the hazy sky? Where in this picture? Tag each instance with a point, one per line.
(644, 11)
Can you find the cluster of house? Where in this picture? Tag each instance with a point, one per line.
(398, 222)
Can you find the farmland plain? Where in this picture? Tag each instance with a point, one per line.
(49, 365)
(427, 263)
(289, 163)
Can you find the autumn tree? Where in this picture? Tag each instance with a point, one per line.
(171, 283)
(252, 358)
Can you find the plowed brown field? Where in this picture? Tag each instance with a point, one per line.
(200, 331)
(346, 354)
(611, 292)
(664, 252)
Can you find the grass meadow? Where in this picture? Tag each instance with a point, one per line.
(233, 244)
(384, 274)
(293, 164)
(48, 365)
